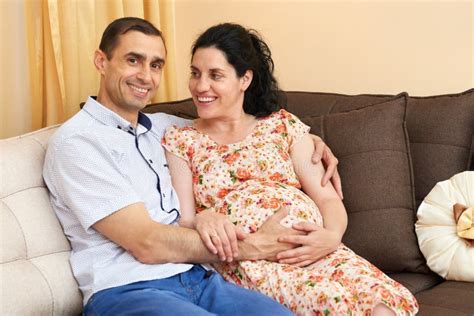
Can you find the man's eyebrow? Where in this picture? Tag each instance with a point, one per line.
(136, 55)
(159, 60)
(142, 57)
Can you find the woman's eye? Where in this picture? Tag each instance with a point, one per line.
(216, 77)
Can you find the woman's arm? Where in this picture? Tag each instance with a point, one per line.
(320, 241)
(182, 180)
(217, 232)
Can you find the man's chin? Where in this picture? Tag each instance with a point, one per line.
(138, 105)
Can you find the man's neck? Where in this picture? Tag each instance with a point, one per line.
(130, 116)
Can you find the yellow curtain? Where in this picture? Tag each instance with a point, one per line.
(62, 37)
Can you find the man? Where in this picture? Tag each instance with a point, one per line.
(111, 190)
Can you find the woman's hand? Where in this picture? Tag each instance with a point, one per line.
(218, 234)
(318, 243)
(324, 153)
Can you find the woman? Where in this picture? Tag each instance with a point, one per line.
(241, 161)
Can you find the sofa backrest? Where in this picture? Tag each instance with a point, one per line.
(440, 130)
(35, 274)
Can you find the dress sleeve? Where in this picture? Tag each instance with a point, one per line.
(295, 129)
(178, 142)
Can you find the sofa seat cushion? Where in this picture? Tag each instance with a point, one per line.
(447, 298)
(417, 282)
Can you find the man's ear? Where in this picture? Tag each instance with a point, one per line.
(100, 60)
(246, 79)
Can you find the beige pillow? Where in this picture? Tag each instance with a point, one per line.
(446, 235)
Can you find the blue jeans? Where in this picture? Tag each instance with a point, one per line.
(194, 292)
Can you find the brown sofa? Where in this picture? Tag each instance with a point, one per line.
(386, 169)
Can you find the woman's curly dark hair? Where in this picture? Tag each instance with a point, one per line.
(245, 50)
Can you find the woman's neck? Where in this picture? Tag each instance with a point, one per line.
(225, 125)
(227, 130)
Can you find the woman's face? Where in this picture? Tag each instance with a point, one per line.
(216, 89)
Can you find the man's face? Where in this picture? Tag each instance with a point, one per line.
(130, 78)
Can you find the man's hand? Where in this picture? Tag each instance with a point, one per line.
(324, 153)
(315, 244)
(264, 244)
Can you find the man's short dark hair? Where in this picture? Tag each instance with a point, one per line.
(121, 26)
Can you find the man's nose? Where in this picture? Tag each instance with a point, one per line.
(144, 74)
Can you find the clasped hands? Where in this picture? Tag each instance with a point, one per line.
(301, 245)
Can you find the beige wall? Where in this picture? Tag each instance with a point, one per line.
(423, 47)
(14, 71)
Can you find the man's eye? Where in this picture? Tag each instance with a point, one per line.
(132, 60)
(156, 65)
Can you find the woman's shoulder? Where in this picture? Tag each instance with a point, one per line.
(179, 128)
(181, 133)
(279, 116)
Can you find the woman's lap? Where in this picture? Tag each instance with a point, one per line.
(340, 282)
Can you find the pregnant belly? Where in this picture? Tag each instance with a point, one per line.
(253, 202)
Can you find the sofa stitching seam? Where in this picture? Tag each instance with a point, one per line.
(39, 143)
(19, 225)
(379, 209)
(34, 257)
(32, 187)
(372, 151)
(450, 145)
(47, 283)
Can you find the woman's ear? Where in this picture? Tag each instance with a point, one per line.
(100, 60)
(246, 79)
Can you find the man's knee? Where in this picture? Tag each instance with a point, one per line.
(222, 297)
(143, 301)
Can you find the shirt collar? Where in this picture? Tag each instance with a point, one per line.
(110, 118)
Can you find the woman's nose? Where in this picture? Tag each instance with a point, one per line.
(202, 84)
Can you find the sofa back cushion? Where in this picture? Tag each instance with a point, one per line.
(441, 130)
(34, 253)
(372, 146)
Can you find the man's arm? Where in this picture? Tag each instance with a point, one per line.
(151, 242)
(323, 153)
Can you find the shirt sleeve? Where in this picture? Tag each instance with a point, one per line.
(178, 142)
(88, 179)
(294, 127)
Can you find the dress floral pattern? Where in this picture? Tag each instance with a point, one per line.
(248, 181)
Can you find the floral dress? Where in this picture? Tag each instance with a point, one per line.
(249, 181)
